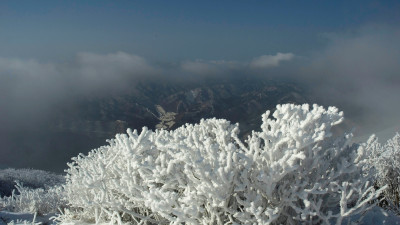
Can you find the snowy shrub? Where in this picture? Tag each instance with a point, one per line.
(29, 200)
(41, 192)
(29, 177)
(9, 219)
(23, 222)
(296, 172)
(186, 175)
(19, 218)
(291, 172)
(384, 163)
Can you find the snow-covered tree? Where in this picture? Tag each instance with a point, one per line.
(292, 171)
(384, 163)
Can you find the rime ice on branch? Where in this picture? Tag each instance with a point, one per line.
(291, 172)
(384, 163)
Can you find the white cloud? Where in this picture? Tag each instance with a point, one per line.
(217, 67)
(203, 67)
(198, 67)
(99, 72)
(30, 88)
(266, 61)
(29, 68)
(97, 65)
(359, 70)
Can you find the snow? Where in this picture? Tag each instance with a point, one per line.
(376, 216)
(13, 218)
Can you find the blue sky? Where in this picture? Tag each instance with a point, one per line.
(180, 30)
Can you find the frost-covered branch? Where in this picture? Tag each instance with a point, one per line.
(384, 163)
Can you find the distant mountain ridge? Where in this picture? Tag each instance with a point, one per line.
(170, 106)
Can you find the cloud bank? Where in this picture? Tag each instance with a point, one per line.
(30, 88)
(360, 72)
(215, 67)
(266, 61)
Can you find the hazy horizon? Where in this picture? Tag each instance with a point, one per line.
(343, 53)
